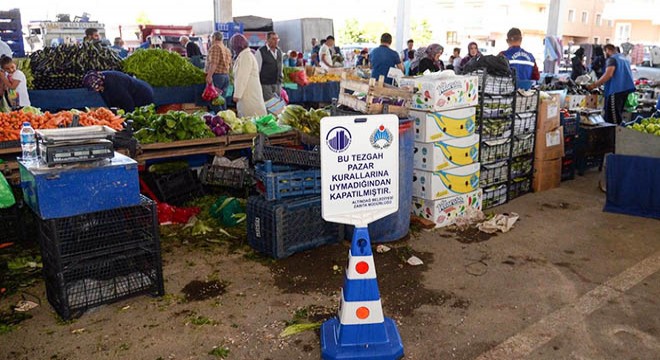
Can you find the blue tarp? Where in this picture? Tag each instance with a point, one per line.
(318, 92)
(632, 185)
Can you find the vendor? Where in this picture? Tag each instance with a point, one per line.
(618, 81)
(119, 89)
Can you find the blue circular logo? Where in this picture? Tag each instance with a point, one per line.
(338, 139)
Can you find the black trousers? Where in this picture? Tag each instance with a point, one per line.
(614, 107)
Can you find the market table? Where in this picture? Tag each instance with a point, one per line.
(317, 92)
(55, 100)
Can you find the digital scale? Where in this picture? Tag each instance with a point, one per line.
(591, 117)
(72, 145)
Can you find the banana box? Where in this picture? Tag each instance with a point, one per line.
(444, 125)
(446, 183)
(445, 212)
(448, 154)
(443, 91)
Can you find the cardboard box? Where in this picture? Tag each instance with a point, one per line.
(547, 174)
(446, 183)
(444, 212)
(550, 144)
(444, 125)
(575, 101)
(595, 101)
(442, 92)
(548, 115)
(446, 154)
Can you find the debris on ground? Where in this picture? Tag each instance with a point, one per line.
(381, 249)
(299, 328)
(414, 261)
(472, 216)
(501, 222)
(25, 306)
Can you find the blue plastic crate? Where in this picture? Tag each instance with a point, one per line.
(277, 182)
(74, 190)
(570, 124)
(11, 36)
(274, 227)
(10, 24)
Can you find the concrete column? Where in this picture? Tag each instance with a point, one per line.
(222, 11)
(554, 30)
(402, 24)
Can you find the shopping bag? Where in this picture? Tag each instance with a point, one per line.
(6, 194)
(275, 105)
(210, 92)
(299, 77)
(631, 102)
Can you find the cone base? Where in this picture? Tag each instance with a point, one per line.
(391, 349)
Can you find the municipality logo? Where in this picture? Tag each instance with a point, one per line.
(381, 138)
(338, 139)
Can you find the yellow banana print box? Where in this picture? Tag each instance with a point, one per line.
(444, 91)
(445, 125)
(448, 154)
(446, 183)
(444, 212)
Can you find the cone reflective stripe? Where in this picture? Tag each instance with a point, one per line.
(360, 267)
(360, 312)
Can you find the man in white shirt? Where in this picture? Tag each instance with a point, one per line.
(326, 52)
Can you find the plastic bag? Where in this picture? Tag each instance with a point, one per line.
(285, 96)
(168, 214)
(267, 125)
(210, 92)
(632, 102)
(275, 105)
(299, 77)
(6, 194)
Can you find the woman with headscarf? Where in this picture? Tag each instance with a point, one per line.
(431, 60)
(248, 95)
(577, 64)
(119, 90)
(473, 52)
(420, 54)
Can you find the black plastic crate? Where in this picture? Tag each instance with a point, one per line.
(495, 150)
(524, 124)
(70, 239)
(519, 187)
(496, 128)
(494, 85)
(493, 174)
(570, 124)
(568, 168)
(227, 176)
(279, 154)
(523, 145)
(285, 227)
(495, 196)
(82, 285)
(494, 107)
(527, 103)
(11, 225)
(521, 166)
(179, 187)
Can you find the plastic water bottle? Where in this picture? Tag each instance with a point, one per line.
(28, 143)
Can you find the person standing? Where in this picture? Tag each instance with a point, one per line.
(247, 87)
(473, 52)
(409, 47)
(15, 82)
(519, 59)
(192, 51)
(598, 61)
(618, 81)
(363, 58)
(455, 60)
(383, 58)
(218, 63)
(326, 52)
(315, 53)
(577, 64)
(269, 58)
(92, 35)
(118, 47)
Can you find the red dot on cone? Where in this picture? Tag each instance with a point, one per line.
(362, 267)
(362, 313)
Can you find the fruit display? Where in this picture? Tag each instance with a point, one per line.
(323, 78)
(10, 123)
(163, 68)
(649, 126)
(152, 127)
(64, 66)
(307, 121)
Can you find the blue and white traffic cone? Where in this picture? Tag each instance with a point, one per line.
(361, 332)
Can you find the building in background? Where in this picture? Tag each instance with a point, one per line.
(583, 22)
(635, 21)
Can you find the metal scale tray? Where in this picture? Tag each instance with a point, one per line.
(72, 145)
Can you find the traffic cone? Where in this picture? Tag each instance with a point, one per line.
(361, 331)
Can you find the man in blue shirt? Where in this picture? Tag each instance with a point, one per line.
(383, 58)
(618, 82)
(519, 59)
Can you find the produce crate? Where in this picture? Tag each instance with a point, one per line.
(524, 124)
(340, 110)
(10, 24)
(569, 145)
(495, 85)
(568, 168)
(496, 128)
(495, 150)
(227, 176)
(519, 186)
(570, 124)
(495, 196)
(10, 14)
(11, 225)
(278, 154)
(10, 144)
(275, 228)
(523, 145)
(497, 106)
(81, 285)
(13, 38)
(179, 187)
(277, 182)
(527, 103)
(70, 239)
(521, 166)
(374, 97)
(493, 174)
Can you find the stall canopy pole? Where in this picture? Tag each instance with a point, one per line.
(222, 11)
(554, 30)
(402, 24)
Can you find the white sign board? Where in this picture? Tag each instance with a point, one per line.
(359, 168)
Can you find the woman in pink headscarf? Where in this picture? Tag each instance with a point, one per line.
(247, 87)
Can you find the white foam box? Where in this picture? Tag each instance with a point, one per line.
(446, 183)
(444, 212)
(439, 92)
(448, 154)
(444, 125)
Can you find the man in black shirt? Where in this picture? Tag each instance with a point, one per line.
(192, 51)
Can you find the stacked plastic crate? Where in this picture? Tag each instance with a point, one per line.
(570, 122)
(286, 217)
(11, 31)
(524, 132)
(446, 159)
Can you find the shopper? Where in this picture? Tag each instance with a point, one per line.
(363, 58)
(409, 59)
(14, 82)
(118, 47)
(269, 58)
(473, 52)
(248, 95)
(598, 61)
(383, 58)
(618, 81)
(92, 35)
(315, 53)
(438, 63)
(119, 89)
(418, 56)
(326, 53)
(409, 47)
(519, 59)
(430, 61)
(577, 64)
(455, 60)
(218, 63)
